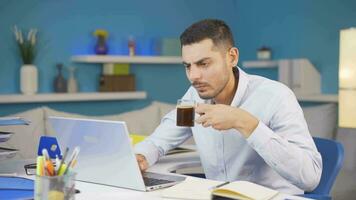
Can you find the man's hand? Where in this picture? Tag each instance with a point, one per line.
(223, 117)
(142, 162)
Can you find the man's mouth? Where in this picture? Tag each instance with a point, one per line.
(200, 86)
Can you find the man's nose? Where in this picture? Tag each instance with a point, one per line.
(194, 74)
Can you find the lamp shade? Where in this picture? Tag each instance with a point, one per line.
(347, 78)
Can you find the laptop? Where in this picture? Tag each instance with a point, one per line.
(106, 155)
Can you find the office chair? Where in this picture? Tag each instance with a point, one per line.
(332, 153)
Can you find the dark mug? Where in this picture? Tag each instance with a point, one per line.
(185, 112)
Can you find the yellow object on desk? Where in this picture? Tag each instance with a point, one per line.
(55, 195)
(136, 138)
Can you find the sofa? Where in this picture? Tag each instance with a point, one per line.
(321, 120)
(142, 121)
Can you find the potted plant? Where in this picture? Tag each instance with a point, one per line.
(27, 51)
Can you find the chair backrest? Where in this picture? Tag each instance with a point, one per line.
(332, 153)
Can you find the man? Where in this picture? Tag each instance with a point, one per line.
(249, 127)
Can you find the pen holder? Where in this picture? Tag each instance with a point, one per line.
(55, 187)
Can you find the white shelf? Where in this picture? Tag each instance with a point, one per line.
(322, 98)
(260, 64)
(127, 59)
(67, 97)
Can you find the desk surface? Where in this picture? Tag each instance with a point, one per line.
(91, 191)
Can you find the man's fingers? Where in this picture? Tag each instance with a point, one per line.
(202, 108)
(202, 119)
(143, 166)
(206, 124)
(142, 162)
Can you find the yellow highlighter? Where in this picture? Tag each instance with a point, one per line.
(62, 169)
(39, 166)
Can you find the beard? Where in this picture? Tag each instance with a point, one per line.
(206, 91)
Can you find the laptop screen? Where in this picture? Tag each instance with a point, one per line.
(106, 155)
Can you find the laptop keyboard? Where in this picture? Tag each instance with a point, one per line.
(154, 181)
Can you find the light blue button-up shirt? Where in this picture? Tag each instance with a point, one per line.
(280, 153)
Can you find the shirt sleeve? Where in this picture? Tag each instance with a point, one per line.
(165, 137)
(287, 146)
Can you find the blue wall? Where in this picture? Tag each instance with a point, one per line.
(296, 29)
(292, 29)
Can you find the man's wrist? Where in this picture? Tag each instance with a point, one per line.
(247, 126)
(250, 127)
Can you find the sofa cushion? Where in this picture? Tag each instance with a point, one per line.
(26, 138)
(142, 121)
(321, 120)
(164, 108)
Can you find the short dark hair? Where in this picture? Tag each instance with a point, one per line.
(216, 30)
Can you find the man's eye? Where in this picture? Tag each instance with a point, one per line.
(204, 64)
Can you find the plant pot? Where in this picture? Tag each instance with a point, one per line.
(28, 79)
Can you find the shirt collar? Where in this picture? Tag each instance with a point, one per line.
(241, 87)
(242, 78)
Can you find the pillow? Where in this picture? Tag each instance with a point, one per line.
(142, 121)
(321, 120)
(26, 138)
(164, 108)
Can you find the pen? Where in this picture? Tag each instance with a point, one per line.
(72, 160)
(75, 156)
(220, 185)
(57, 164)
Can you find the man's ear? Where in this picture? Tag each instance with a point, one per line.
(234, 56)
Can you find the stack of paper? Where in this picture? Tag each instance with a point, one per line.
(6, 153)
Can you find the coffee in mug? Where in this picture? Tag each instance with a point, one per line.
(185, 112)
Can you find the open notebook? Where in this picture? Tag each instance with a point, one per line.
(203, 189)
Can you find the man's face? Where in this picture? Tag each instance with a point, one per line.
(206, 67)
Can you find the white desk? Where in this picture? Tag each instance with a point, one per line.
(95, 191)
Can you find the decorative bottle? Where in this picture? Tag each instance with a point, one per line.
(101, 48)
(60, 84)
(132, 46)
(72, 81)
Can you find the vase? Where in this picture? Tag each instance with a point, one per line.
(72, 81)
(101, 48)
(28, 79)
(60, 84)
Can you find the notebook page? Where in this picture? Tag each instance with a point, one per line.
(191, 188)
(251, 190)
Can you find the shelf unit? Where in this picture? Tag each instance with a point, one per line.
(298, 74)
(71, 97)
(260, 64)
(319, 98)
(127, 59)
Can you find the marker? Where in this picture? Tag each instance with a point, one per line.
(39, 166)
(62, 161)
(73, 159)
(48, 163)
